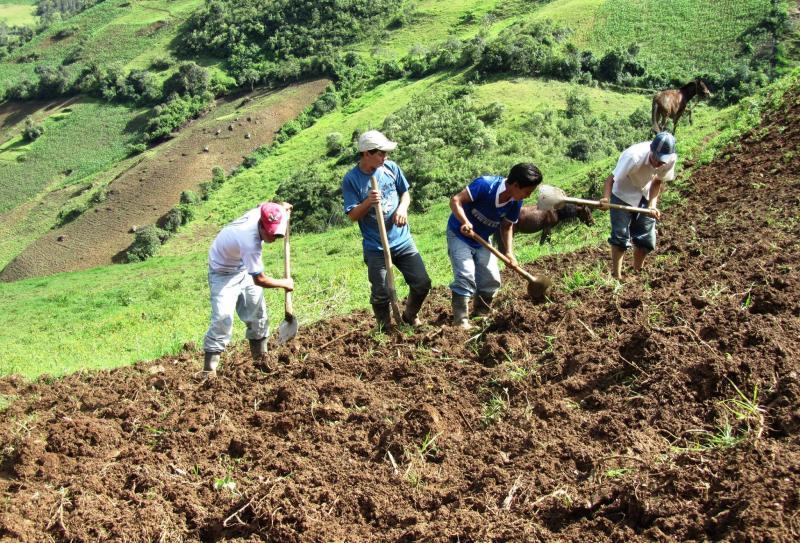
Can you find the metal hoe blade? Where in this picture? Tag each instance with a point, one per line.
(287, 329)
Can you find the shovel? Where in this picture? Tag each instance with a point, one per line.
(387, 256)
(288, 327)
(537, 284)
(554, 198)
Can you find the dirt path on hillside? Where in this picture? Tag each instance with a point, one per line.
(603, 415)
(144, 193)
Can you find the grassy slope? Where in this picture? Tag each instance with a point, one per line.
(432, 21)
(140, 311)
(671, 35)
(86, 138)
(145, 310)
(18, 12)
(114, 31)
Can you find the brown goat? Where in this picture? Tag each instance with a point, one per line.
(671, 103)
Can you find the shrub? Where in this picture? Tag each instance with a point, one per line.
(317, 201)
(578, 105)
(141, 85)
(145, 243)
(334, 143)
(70, 214)
(579, 149)
(217, 179)
(189, 197)
(136, 148)
(174, 219)
(191, 79)
(172, 114)
(160, 64)
(32, 130)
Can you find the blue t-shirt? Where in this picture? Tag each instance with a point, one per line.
(485, 212)
(392, 184)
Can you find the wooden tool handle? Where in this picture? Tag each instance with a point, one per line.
(596, 204)
(287, 272)
(387, 255)
(503, 257)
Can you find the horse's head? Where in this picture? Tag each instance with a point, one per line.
(702, 89)
(573, 211)
(585, 215)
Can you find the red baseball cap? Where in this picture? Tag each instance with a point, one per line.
(273, 219)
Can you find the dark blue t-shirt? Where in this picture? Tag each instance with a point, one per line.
(485, 212)
(392, 184)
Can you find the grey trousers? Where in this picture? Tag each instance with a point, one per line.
(410, 264)
(234, 292)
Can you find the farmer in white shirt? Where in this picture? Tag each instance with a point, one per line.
(637, 181)
(236, 280)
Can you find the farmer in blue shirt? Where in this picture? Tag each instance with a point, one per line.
(488, 204)
(394, 197)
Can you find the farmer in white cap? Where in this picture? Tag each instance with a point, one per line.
(394, 197)
(638, 181)
(236, 280)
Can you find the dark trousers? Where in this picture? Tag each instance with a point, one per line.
(408, 261)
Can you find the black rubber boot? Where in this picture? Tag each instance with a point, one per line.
(383, 316)
(258, 348)
(210, 363)
(461, 311)
(413, 305)
(483, 304)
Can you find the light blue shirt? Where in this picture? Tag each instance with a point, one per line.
(392, 184)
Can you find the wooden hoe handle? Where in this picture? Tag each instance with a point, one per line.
(287, 272)
(387, 255)
(596, 204)
(504, 258)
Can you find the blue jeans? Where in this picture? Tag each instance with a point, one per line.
(475, 269)
(234, 292)
(636, 228)
(408, 260)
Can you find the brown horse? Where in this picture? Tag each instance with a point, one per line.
(671, 103)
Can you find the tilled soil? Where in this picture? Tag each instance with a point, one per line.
(665, 409)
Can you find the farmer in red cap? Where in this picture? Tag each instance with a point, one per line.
(236, 279)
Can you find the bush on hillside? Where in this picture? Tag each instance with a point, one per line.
(169, 116)
(316, 200)
(146, 242)
(442, 139)
(190, 79)
(217, 179)
(277, 30)
(142, 86)
(53, 82)
(334, 144)
(32, 130)
(189, 197)
(175, 218)
(160, 64)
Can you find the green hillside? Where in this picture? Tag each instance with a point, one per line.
(466, 87)
(18, 12)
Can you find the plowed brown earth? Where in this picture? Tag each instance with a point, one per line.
(599, 416)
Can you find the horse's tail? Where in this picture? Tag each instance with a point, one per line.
(654, 115)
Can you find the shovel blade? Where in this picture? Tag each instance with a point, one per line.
(287, 329)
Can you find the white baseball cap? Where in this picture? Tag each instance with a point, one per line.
(373, 139)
